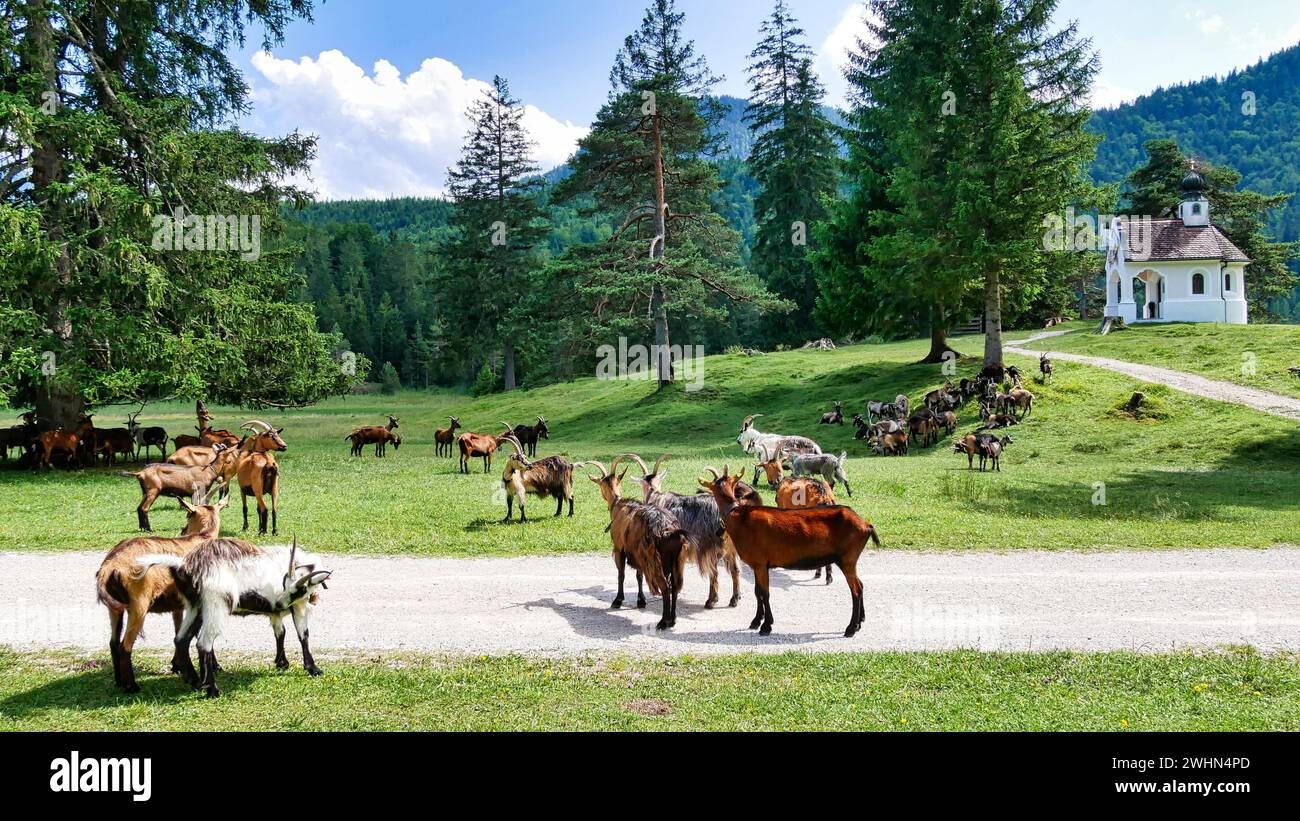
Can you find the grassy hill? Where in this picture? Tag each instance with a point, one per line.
(1168, 483)
(1224, 352)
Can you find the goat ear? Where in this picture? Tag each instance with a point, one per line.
(705, 483)
(185, 503)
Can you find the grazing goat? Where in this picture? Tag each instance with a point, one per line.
(1020, 401)
(1045, 367)
(647, 537)
(552, 476)
(887, 410)
(923, 426)
(891, 444)
(835, 417)
(259, 473)
(980, 444)
(529, 434)
(377, 435)
(698, 516)
(482, 445)
(124, 591)
(827, 465)
(147, 438)
(230, 577)
(794, 539)
(767, 445)
(444, 438)
(178, 481)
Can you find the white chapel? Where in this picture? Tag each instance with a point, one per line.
(1176, 270)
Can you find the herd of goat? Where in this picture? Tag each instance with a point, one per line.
(202, 578)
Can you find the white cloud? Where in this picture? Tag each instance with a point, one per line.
(1206, 22)
(1108, 95)
(833, 57)
(381, 134)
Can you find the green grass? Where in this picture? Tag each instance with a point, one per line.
(1225, 352)
(1202, 474)
(1232, 690)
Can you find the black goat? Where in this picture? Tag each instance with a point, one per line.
(529, 434)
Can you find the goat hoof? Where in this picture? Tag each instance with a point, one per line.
(282, 664)
(662, 625)
(753, 625)
(616, 604)
(765, 630)
(131, 688)
(734, 600)
(849, 633)
(211, 691)
(709, 605)
(314, 671)
(640, 604)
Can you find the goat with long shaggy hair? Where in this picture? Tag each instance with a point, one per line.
(552, 476)
(698, 516)
(124, 593)
(647, 537)
(230, 577)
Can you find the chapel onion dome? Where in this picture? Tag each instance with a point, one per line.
(1193, 185)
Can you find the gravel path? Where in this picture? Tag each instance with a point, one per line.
(1275, 403)
(1029, 600)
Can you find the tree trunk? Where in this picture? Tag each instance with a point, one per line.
(938, 337)
(57, 406)
(509, 367)
(663, 359)
(1083, 297)
(992, 318)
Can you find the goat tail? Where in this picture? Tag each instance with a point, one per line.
(129, 474)
(872, 535)
(844, 454)
(144, 563)
(108, 575)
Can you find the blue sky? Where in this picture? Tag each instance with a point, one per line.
(384, 83)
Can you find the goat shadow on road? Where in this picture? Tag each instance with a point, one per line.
(601, 623)
(94, 690)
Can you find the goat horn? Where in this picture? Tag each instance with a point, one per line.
(714, 472)
(598, 464)
(293, 554)
(749, 420)
(663, 457)
(251, 422)
(509, 427)
(613, 466)
(519, 450)
(640, 463)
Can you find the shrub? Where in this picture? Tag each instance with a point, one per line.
(485, 383)
(388, 379)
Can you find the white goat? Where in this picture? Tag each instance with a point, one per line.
(225, 577)
(765, 446)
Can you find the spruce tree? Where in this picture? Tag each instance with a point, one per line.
(498, 222)
(794, 161)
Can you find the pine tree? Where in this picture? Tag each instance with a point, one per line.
(647, 158)
(1155, 190)
(794, 161)
(498, 221)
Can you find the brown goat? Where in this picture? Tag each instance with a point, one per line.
(482, 445)
(798, 539)
(444, 438)
(178, 481)
(377, 435)
(799, 491)
(648, 538)
(258, 472)
(123, 592)
(51, 442)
